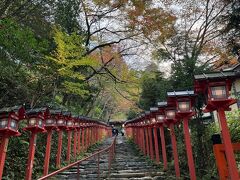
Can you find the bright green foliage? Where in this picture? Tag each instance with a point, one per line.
(21, 55)
(154, 89)
(17, 41)
(183, 72)
(68, 59)
(66, 15)
(234, 124)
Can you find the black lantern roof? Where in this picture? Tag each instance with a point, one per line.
(81, 117)
(55, 111)
(10, 109)
(153, 109)
(142, 114)
(15, 109)
(132, 120)
(36, 111)
(180, 93)
(75, 116)
(147, 112)
(216, 75)
(66, 113)
(84, 118)
(162, 104)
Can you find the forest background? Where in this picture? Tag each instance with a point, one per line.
(111, 60)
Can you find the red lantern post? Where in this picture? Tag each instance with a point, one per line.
(147, 139)
(9, 118)
(160, 119)
(83, 136)
(49, 125)
(134, 132)
(70, 127)
(86, 136)
(61, 125)
(154, 111)
(170, 120)
(143, 138)
(141, 135)
(184, 101)
(91, 134)
(93, 131)
(138, 135)
(150, 139)
(76, 136)
(216, 87)
(36, 119)
(99, 127)
(79, 139)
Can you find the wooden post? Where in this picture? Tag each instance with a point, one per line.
(156, 145)
(32, 147)
(47, 153)
(3, 151)
(174, 148)
(59, 151)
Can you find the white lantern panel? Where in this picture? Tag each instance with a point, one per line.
(60, 122)
(3, 123)
(219, 92)
(170, 114)
(50, 122)
(69, 123)
(40, 123)
(184, 106)
(32, 122)
(153, 120)
(13, 124)
(160, 118)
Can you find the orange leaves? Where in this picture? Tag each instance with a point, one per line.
(154, 23)
(223, 58)
(107, 54)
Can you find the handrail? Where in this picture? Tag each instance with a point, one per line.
(110, 148)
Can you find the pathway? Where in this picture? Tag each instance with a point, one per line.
(128, 164)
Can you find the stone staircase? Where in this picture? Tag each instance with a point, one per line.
(88, 169)
(128, 164)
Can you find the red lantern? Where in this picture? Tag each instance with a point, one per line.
(160, 118)
(51, 120)
(9, 118)
(170, 113)
(36, 120)
(184, 101)
(216, 88)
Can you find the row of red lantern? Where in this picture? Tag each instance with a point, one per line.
(166, 114)
(180, 107)
(41, 119)
(44, 120)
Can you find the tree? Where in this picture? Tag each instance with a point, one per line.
(231, 29)
(119, 85)
(21, 55)
(154, 88)
(197, 36)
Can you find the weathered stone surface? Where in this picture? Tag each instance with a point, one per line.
(127, 165)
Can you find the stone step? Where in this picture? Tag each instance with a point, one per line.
(127, 165)
(135, 171)
(135, 174)
(132, 166)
